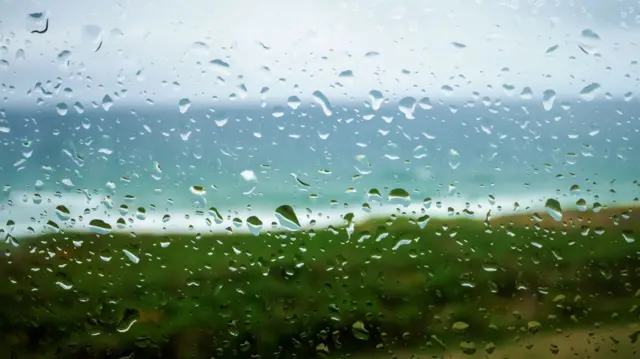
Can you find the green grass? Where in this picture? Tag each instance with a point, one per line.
(286, 293)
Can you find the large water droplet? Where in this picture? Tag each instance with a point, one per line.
(359, 331)
(129, 318)
(62, 108)
(548, 99)
(287, 217)
(132, 257)
(220, 67)
(407, 106)
(293, 102)
(99, 226)
(589, 92)
(107, 102)
(590, 34)
(399, 195)
(254, 224)
(63, 212)
(183, 105)
(323, 101)
(553, 208)
(376, 99)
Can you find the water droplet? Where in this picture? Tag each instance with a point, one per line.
(553, 208)
(198, 190)
(376, 99)
(183, 105)
(217, 217)
(590, 34)
(374, 194)
(287, 217)
(99, 226)
(323, 101)
(552, 49)
(277, 111)
(468, 347)
(422, 221)
(589, 92)
(407, 106)
(62, 108)
(575, 189)
(63, 213)
(293, 102)
(427, 202)
(220, 67)
(534, 326)
(399, 195)
(107, 102)
(628, 236)
(254, 224)
(460, 327)
(454, 159)
(581, 204)
(447, 90)
(346, 74)
(129, 318)
(359, 331)
(132, 257)
(548, 99)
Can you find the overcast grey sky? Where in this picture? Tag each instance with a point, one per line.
(295, 47)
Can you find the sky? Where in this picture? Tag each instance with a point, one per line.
(233, 50)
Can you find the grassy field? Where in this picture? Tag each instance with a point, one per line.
(389, 288)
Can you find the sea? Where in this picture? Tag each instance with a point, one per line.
(200, 168)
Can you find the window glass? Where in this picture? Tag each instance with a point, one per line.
(319, 178)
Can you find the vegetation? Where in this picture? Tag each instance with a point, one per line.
(456, 284)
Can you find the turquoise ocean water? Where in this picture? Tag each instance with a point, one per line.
(169, 168)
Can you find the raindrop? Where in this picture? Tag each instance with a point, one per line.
(62, 108)
(220, 66)
(590, 34)
(548, 98)
(198, 190)
(454, 159)
(422, 221)
(129, 318)
(376, 99)
(293, 102)
(581, 205)
(346, 74)
(359, 331)
(588, 93)
(399, 195)
(107, 102)
(277, 111)
(427, 202)
(323, 101)
(99, 226)
(132, 257)
(628, 236)
(254, 224)
(63, 213)
(217, 217)
(407, 106)
(460, 327)
(183, 105)
(553, 208)
(287, 217)
(575, 189)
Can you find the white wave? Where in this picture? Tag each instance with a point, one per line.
(31, 214)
